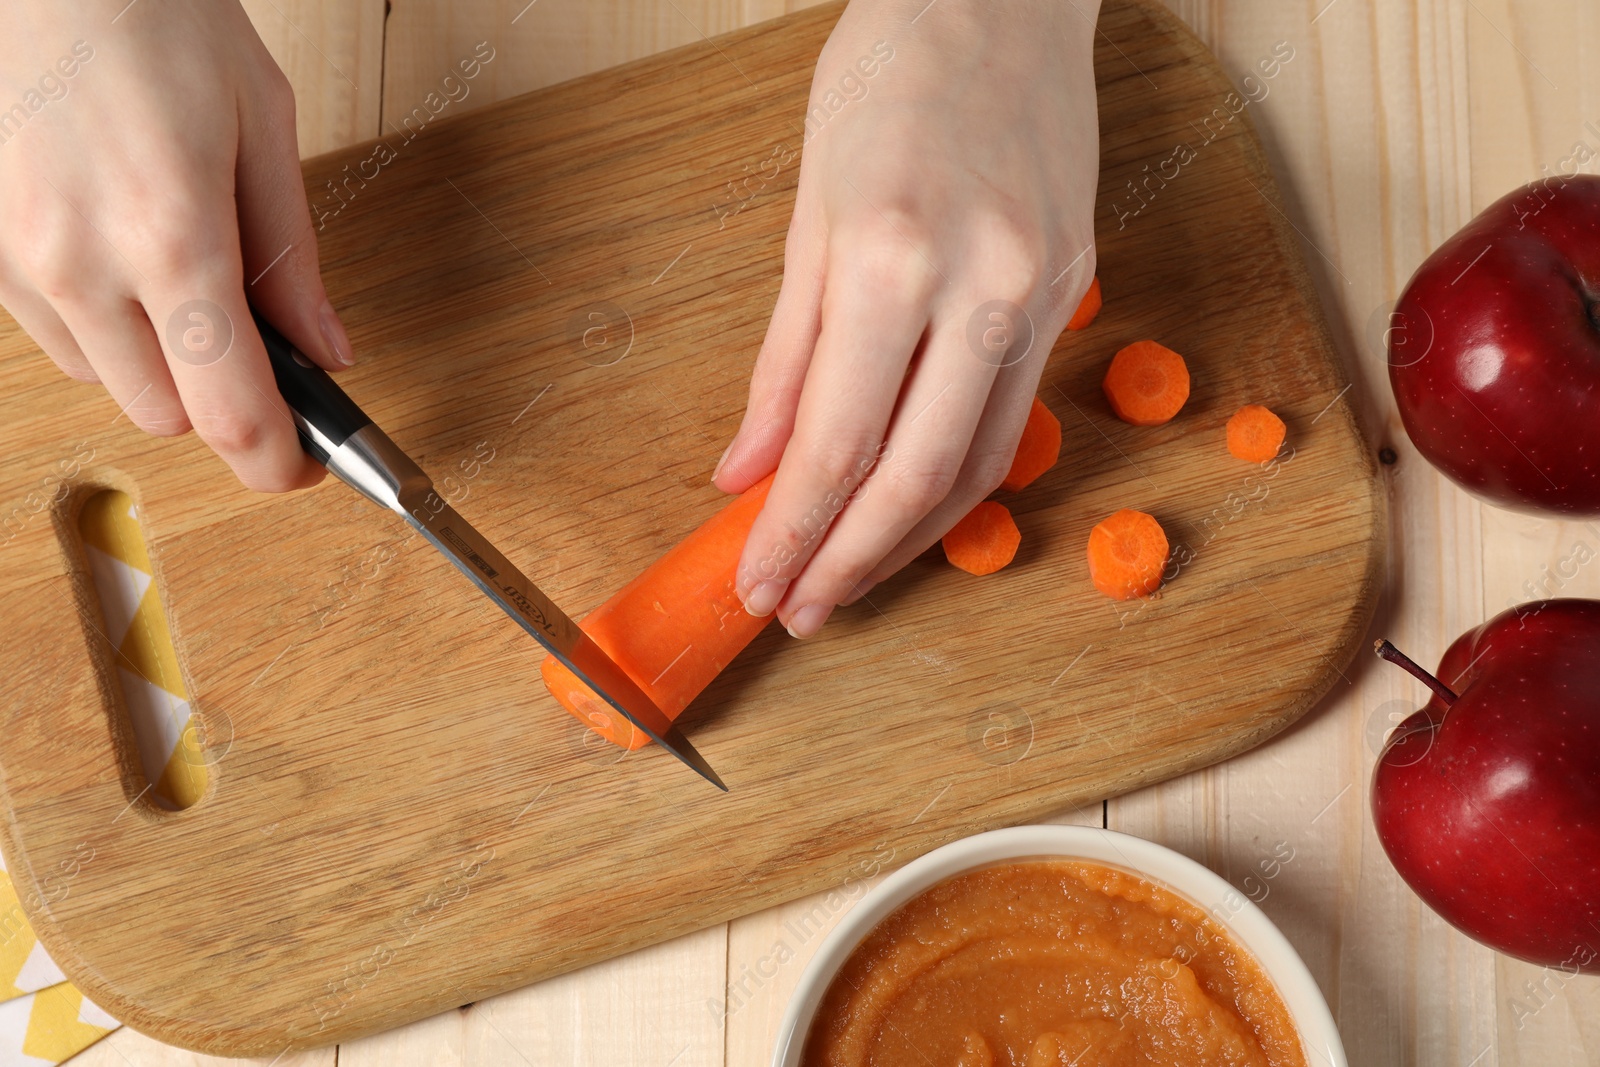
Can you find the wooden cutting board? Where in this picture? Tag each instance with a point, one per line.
(400, 819)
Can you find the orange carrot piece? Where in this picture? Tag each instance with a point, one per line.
(1038, 449)
(1146, 383)
(672, 629)
(984, 541)
(1255, 434)
(1088, 307)
(1127, 553)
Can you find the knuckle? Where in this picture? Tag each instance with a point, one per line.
(988, 469)
(1012, 257)
(918, 487)
(831, 577)
(841, 461)
(176, 246)
(277, 92)
(230, 432)
(1089, 264)
(1066, 294)
(47, 262)
(171, 257)
(775, 404)
(884, 259)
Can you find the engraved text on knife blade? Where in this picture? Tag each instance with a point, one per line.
(455, 535)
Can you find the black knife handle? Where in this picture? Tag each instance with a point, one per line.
(311, 393)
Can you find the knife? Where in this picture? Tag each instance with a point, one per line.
(340, 436)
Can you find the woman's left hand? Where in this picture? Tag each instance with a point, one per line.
(943, 233)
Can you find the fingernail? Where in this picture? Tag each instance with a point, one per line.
(861, 590)
(724, 458)
(333, 335)
(762, 599)
(808, 620)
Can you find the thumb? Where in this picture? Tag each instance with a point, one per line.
(281, 274)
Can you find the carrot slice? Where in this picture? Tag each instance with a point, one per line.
(672, 629)
(1127, 553)
(1146, 383)
(984, 541)
(1088, 307)
(1255, 434)
(1038, 450)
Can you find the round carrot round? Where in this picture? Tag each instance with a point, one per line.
(984, 541)
(1088, 307)
(1038, 449)
(1127, 553)
(1146, 384)
(1255, 434)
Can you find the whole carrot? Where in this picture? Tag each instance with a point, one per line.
(674, 628)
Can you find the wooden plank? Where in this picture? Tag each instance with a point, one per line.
(129, 1048)
(1535, 90)
(439, 264)
(648, 1007)
(1368, 126)
(1536, 103)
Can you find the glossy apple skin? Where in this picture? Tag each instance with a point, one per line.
(1494, 351)
(1492, 811)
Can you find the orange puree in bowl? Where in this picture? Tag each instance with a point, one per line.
(1051, 964)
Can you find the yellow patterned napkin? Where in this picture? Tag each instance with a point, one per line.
(43, 1018)
(50, 1026)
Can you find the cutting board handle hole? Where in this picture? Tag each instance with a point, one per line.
(174, 752)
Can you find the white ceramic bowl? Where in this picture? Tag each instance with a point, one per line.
(1250, 927)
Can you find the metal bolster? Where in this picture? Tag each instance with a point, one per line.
(377, 469)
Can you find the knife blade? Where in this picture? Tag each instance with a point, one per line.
(339, 435)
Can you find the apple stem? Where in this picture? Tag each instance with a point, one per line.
(1387, 651)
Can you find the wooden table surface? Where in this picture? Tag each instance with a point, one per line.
(1393, 124)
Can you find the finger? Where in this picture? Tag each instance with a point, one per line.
(873, 317)
(40, 321)
(216, 357)
(786, 351)
(993, 445)
(927, 455)
(278, 246)
(119, 343)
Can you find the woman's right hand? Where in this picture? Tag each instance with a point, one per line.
(150, 194)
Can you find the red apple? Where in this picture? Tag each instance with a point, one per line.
(1494, 350)
(1488, 799)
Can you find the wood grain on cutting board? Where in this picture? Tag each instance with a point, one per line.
(401, 819)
